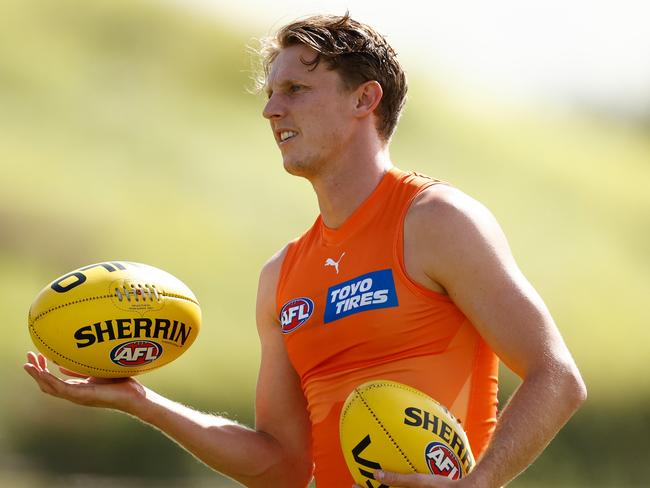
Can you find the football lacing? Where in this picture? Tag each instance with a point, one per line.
(137, 292)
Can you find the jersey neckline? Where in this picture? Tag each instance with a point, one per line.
(363, 212)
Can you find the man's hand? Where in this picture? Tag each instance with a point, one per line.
(417, 480)
(119, 394)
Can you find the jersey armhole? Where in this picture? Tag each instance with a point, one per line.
(284, 270)
(398, 249)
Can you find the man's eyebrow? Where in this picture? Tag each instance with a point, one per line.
(282, 84)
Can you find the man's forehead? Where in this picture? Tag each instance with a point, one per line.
(290, 64)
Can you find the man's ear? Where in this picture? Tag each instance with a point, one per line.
(368, 97)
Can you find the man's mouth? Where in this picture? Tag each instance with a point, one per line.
(287, 134)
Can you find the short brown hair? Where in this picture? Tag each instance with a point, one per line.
(354, 50)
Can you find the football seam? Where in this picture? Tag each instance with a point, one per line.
(390, 437)
(419, 393)
(83, 364)
(457, 423)
(99, 297)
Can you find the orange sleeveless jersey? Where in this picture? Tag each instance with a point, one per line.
(350, 314)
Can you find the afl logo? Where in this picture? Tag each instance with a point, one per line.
(136, 353)
(294, 313)
(442, 461)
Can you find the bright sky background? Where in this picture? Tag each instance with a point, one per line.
(592, 52)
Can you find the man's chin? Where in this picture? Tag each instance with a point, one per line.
(298, 168)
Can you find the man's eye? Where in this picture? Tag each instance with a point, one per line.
(295, 88)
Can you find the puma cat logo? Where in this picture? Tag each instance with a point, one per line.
(335, 264)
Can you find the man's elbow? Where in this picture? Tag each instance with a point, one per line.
(574, 390)
(290, 473)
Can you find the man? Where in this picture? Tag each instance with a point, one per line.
(401, 277)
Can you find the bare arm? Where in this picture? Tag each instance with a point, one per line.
(276, 453)
(280, 408)
(454, 245)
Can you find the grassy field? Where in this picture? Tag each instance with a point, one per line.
(127, 133)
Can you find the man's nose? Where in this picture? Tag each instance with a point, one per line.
(274, 108)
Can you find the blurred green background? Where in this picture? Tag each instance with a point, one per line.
(126, 132)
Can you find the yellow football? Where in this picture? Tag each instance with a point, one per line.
(114, 319)
(391, 426)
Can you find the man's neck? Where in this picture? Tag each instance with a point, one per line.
(341, 191)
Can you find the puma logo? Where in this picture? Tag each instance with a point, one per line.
(335, 264)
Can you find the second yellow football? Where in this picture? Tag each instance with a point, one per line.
(391, 426)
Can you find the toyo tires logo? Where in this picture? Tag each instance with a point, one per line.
(366, 292)
(136, 353)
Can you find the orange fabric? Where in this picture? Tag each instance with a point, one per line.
(354, 317)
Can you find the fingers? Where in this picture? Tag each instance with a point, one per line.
(41, 377)
(32, 359)
(42, 362)
(36, 367)
(412, 480)
(37, 362)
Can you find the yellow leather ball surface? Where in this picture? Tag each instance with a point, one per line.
(114, 319)
(391, 426)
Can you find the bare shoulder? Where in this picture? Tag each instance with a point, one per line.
(450, 210)
(448, 232)
(268, 282)
(273, 266)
